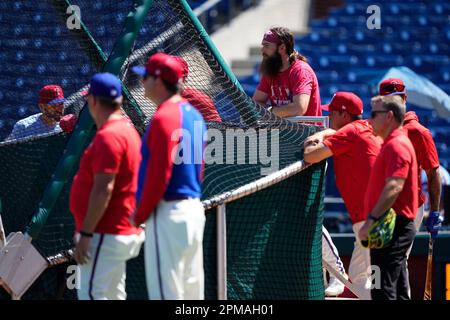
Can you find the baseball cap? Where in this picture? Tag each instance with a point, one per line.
(51, 94)
(392, 86)
(345, 101)
(168, 67)
(105, 85)
(185, 66)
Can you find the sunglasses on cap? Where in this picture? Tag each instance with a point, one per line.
(391, 88)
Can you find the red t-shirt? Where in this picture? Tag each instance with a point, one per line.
(423, 143)
(299, 78)
(396, 159)
(202, 103)
(114, 149)
(355, 149)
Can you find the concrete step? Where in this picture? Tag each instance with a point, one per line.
(248, 63)
(234, 40)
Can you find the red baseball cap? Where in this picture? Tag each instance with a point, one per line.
(185, 66)
(51, 94)
(392, 86)
(345, 101)
(162, 65)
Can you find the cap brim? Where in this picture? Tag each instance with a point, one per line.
(325, 107)
(395, 93)
(140, 70)
(55, 101)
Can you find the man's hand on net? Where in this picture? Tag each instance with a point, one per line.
(68, 122)
(434, 223)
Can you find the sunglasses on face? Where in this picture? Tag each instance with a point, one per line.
(374, 113)
(391, 88)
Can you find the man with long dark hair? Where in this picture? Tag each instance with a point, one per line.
(288, 83)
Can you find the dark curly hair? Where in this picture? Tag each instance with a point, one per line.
(287, 38)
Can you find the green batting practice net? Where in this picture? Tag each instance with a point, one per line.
(274, 236)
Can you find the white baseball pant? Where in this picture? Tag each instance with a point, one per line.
(103, 277)
(330, 253)
(359, 270)
(174, 251)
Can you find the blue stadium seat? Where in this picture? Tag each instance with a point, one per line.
(437, 48)
(441, 135)
(351, 22)
(249, 88)
(406, 8)
(97, 6)
(383, 61)
(440, 8)
(338, 62)
(427, 63)
(327, 76)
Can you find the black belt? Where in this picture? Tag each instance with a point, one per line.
(177, 198)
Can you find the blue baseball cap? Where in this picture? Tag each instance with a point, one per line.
(105, 85)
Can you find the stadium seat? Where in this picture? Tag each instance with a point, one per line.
(383, 61)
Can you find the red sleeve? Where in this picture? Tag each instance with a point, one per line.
(159, 167)
(264, 85)
(107, 152)
(202, 103)
(398, 160)
(425, 148)
(301, 81)
(341, 141)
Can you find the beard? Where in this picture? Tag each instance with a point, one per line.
(271, 65)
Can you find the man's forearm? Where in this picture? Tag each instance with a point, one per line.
(434, 188)
(322, 135)
(289, 110)
(387, 199)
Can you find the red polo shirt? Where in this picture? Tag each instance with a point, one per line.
(422, 141)
(114, 149)
(396, 159)
(355, 149)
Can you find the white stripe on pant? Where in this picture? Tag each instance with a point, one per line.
(103, 277)
(359, 268)
(330, 253)
(174, 251)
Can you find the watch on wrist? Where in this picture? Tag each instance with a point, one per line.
(371, 217)
(86, 234)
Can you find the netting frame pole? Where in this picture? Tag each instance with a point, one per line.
(221, 235)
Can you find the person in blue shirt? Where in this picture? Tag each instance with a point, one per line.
(169, 186)
(51, 104)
